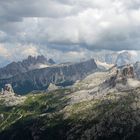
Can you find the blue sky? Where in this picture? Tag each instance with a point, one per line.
(73, 29)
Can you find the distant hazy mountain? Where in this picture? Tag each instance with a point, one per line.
(28, 64)
(119, 58)
(111, 58)
(124, 58)
(39, 79)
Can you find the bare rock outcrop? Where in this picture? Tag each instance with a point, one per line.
(9, 98)
(123, 79)
(8, 89)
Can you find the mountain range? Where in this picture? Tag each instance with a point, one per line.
(120, 58)
(104, 105)
(28, 75)
(37, 73)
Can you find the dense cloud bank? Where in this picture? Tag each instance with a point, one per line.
(68, 26)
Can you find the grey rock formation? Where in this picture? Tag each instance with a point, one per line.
(28, 64)
(60, 75)
(51, 61)
(123, 79)
(53, 87)
(7, 90)
(137, 70)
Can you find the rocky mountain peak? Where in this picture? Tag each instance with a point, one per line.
(124, 58)
(41, 58)
(51, 61)
(123, 78)
(127, 72)
(26, 65)
(34, 60)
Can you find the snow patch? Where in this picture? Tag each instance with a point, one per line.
(104, 64)
(38, 66)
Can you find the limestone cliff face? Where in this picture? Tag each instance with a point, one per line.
(61, 75)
